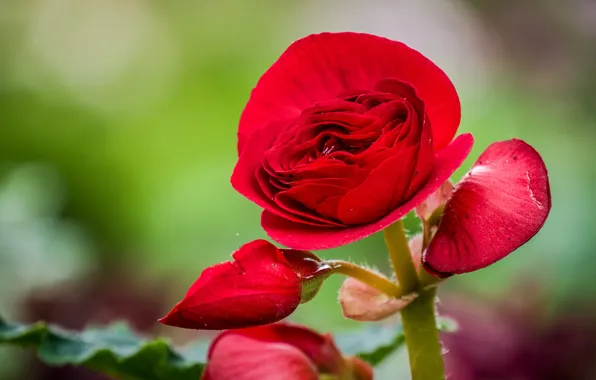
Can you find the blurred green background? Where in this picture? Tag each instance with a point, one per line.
(118, 123)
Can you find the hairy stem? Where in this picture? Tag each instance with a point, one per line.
(381, 283)
(422, 338)
(420, 328)
(401, 258)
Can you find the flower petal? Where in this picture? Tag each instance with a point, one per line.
(361, 369)
(249, 178)
(259, 287)
(498, 206)
(322, 66)
(319, 348)
(239, 357)
(245, 178)
(362, 302)
(381, 191)
(300, 236)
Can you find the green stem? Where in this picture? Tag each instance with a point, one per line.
(401, 259)
(381, 283)
(422, 338)
(420, 327)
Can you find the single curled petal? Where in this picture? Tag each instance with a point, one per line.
(361, 302)
(259, 287)
(500, 204)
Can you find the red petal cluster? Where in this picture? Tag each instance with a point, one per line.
(279, 351)
(344, 135)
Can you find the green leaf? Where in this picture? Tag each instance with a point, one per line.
(118, 352)
(376, 342)
(113, 350)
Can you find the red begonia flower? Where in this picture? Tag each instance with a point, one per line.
(500, 204)
(279, 351)
(344, 135)
(263, 285)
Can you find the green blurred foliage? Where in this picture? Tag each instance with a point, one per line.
(114, 350)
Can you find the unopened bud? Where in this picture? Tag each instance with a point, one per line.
(360, 369)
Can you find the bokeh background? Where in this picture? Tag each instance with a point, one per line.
(118, 122)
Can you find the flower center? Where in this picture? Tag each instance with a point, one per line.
(333, 147)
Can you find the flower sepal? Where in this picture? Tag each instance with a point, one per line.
(311, 270)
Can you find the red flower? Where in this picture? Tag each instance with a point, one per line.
(263, 285)
(279, 351)
(344, 135)
(499, 205)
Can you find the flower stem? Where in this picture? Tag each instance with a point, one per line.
(367, 276)
(420, 327)
(401, 258)
(422, 338)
